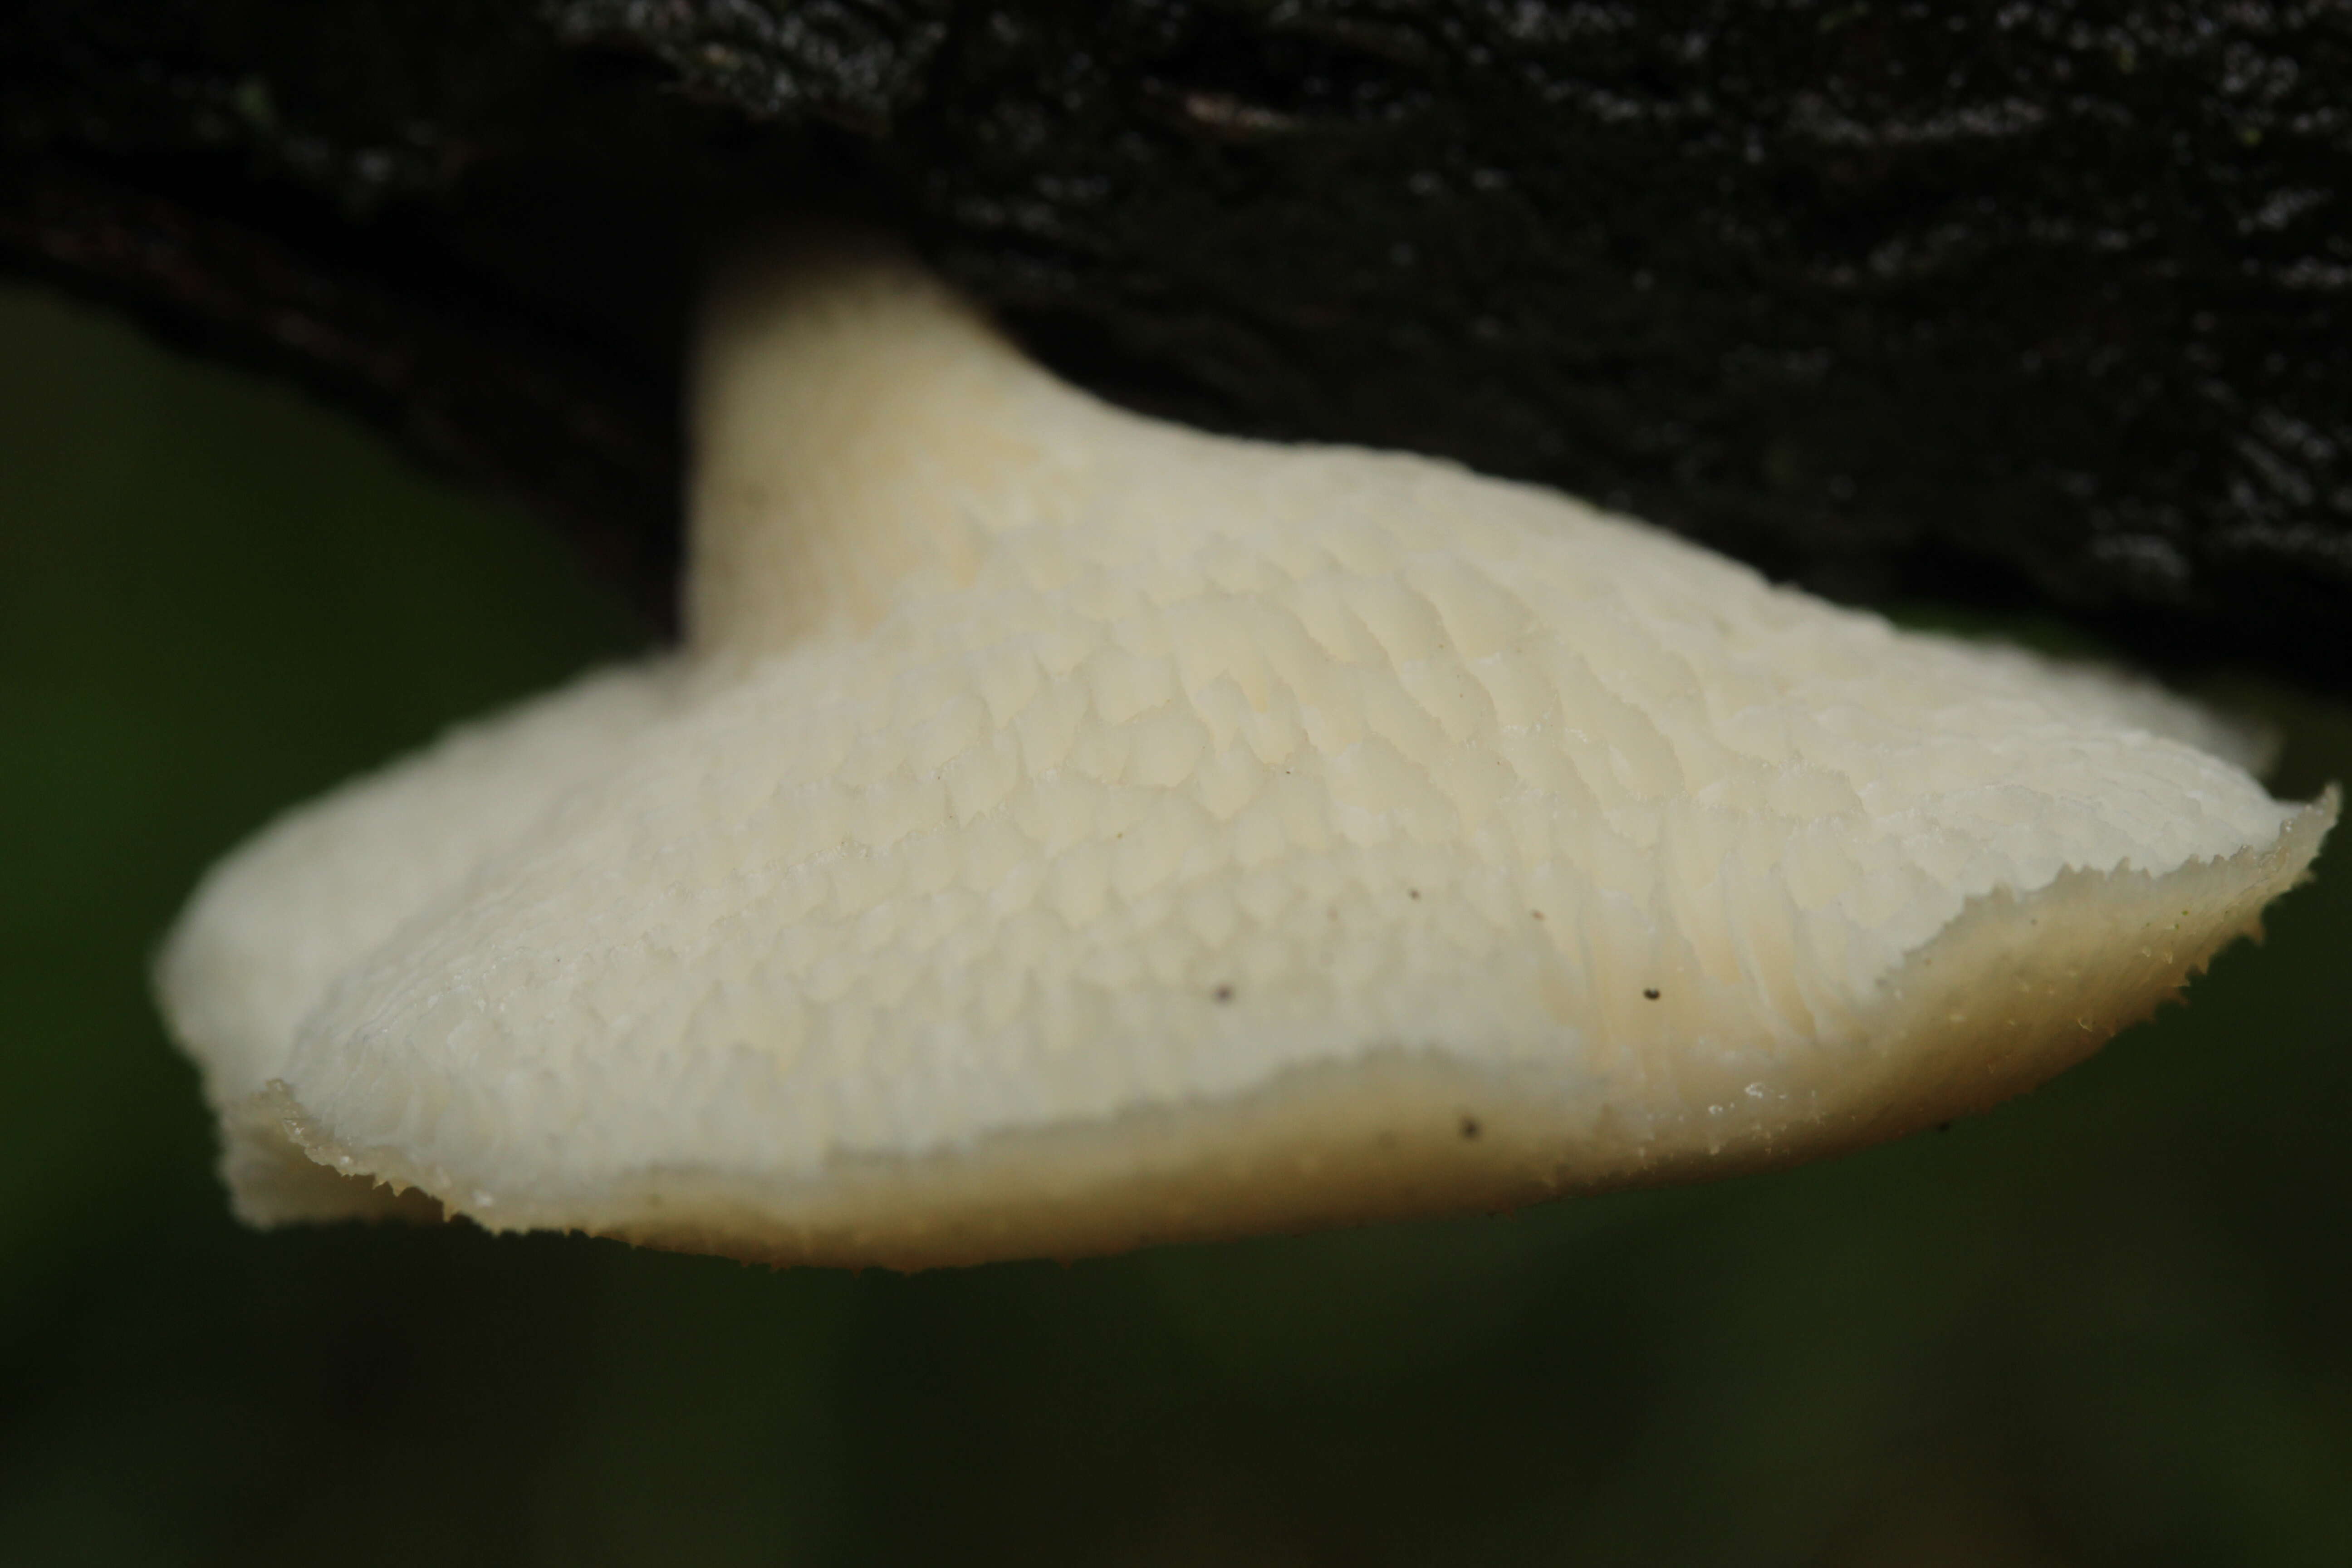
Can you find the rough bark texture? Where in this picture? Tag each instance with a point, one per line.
(2007, 302)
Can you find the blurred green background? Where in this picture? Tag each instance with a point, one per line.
(2111, 1323)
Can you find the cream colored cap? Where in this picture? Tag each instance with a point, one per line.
(1064, 832)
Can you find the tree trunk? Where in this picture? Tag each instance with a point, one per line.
(2001, 303)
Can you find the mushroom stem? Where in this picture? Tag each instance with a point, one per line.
(857, 430)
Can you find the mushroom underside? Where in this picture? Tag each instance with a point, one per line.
(2015, 990)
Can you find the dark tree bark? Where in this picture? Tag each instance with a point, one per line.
(2027, 302)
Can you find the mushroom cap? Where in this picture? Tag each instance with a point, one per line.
(1063, 831)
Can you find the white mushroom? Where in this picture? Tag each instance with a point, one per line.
(1062, 832)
